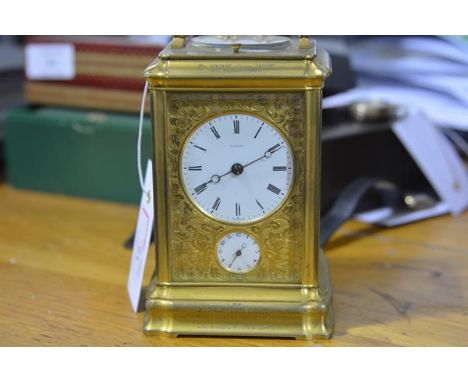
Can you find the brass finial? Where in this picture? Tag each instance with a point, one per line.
(304, 42)
(178, 41)
(235, 47)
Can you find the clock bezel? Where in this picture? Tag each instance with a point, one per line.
(227, 222)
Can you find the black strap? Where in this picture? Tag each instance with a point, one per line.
(343, 208)
(347, 202)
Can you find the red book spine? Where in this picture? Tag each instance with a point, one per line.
(100, 46)
(102, 82)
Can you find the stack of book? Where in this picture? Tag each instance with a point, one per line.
(108, 73)
(75, 152)
(81, 139)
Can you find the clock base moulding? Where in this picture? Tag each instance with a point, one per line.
(262, 310)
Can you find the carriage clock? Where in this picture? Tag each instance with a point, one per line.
(236, 128)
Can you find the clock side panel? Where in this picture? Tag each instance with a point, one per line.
(193, 236)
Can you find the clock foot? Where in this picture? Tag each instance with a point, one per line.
(168, 334)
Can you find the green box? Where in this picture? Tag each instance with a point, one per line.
(81, 153)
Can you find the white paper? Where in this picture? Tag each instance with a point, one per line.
(441, 109)
(50, 61)
(436, 158)
(397, 55)
(388, 218)
(428, 73)
(141, 243)
(452, 86)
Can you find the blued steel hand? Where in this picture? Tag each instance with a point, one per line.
(238, 169)
(267, 154)
(237, 254)
(216, 178)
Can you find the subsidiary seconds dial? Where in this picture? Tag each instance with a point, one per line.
(237, 168)
(238, 252)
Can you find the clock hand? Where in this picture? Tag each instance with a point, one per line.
(267, 154)
(217, 178)
(214, 179)
(237, 254)
(237, 168)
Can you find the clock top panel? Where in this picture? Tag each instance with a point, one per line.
(248, 46)
(194, 231)
(267, 61)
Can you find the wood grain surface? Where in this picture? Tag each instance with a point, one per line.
(63, 274)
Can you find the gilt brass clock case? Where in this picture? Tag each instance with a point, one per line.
(288, 294)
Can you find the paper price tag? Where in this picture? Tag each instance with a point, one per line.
(50, 61)
(142, 240)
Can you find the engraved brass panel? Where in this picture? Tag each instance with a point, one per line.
(192, 235)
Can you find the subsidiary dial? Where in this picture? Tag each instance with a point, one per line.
(238, 252)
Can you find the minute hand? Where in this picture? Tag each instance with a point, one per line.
(266, 154)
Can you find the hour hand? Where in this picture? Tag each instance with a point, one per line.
(214, 179)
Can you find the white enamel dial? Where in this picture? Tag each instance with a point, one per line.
(238, 252)
(237, 168)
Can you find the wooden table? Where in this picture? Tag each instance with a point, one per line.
(63, 274)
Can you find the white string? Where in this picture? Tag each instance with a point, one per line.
(140, 130)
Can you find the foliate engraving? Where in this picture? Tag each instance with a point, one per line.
(193, 236)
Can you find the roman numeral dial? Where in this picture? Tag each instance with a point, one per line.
(237, 168)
